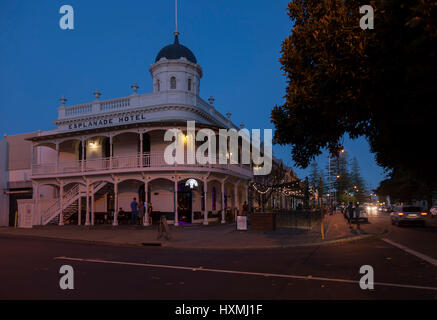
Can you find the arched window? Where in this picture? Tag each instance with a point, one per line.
(189, 84)
(172, 83)
(158, 85)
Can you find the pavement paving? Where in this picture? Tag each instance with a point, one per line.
(213, 236)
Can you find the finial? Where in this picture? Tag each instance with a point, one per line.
(134, 87)
(242, 125)
(97, 94)
(63, 100)
(228, 114)
(211, 100)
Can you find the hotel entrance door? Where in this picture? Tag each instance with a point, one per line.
(185, 201)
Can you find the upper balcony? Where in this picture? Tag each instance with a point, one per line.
(149, 161)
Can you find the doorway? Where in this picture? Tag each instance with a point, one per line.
(185, 203)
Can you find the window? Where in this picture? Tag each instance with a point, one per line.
(189, 84)
(158, 85)
(172, 83)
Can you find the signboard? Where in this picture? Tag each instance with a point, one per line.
(241, 222)
(106, 122)
(163, 230)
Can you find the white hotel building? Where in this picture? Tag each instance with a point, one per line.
(106, 152)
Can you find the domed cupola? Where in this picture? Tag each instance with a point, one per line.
(176, 51)
(176, 69)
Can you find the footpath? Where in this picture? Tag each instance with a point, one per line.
(213, 236)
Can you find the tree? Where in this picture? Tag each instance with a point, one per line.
(358, 183)
(321, 187)
(378, 83)
(266, 185)
(316, 179)
(341, 177)
(401, 188)
(314, 174)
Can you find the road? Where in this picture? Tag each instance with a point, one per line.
(30, 270)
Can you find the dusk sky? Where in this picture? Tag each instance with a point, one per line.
(237, 43)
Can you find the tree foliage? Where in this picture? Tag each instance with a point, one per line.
(375, 83)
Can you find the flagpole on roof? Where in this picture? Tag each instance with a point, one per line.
(176, 17)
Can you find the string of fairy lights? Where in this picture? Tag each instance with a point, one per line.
(285, 191)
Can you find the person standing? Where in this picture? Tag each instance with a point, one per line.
(350, 213)
(245, 208)
(357, 215)
(149, 212)
(134, 209)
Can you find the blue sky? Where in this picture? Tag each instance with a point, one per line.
(113, 44)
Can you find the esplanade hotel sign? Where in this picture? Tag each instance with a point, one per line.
(105, 122)
(105, 153)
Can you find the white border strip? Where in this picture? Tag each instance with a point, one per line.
(411, 251)
(287, 276)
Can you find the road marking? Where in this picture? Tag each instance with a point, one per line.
(411, 251)
(260, 274)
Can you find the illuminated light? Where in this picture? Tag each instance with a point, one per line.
(424, 213)
(192, 183)
(400, 213)
(93, 144)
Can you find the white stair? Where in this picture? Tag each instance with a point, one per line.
(70, 205)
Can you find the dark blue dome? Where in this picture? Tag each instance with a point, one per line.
(175, 51)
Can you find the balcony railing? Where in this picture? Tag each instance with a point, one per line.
(152, 160)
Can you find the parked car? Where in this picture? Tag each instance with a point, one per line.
(408, 214)
(433, 211)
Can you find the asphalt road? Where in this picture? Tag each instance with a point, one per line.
(30, 270)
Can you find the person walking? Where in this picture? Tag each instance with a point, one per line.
(357, 215)
(350, 213)
(134, 209)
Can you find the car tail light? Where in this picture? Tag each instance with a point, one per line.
(400, 213)
(424, 213)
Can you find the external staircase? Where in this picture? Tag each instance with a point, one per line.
(71, 203)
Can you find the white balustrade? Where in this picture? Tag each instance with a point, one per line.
(78, 110)
(148, 160)
(114, 104)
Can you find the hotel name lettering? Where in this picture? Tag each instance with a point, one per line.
(106, 122)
